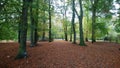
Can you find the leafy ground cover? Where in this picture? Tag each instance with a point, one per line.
(62, 54)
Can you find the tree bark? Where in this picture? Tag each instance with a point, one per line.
(36, 24)
(23, 34)
(43, 35)
(82, 43)
(65, 32)
(73, 21)
(94, 7)
(71, 33)
(50, 35)
(19, 31)
(32, 25)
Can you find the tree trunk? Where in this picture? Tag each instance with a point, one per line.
(32, 25)
(94, 20)
(82, 43)
(73, 21)
(36, 24)
(19, 25)
(86, 39)
(65, 28)
(93, 30)
(50, 35)
(23, 34)
(71, 33)
(43, 35)
(65, 32)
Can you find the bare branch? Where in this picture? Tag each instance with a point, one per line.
(76, 12)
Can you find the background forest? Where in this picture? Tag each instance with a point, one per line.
(60, 19)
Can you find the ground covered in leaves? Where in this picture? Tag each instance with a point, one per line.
(62, 54)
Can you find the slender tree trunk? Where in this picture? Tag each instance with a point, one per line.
(82, 43)
(18, 35)
(44, 22)
(73, 21)
(94, 7)
(43, 35)
(80, 17)
(50, 35)
(93, 22)
(36, 33)
(71, 33)
(65, 32)
(23, 34)
(32, 25)
(86, 39)
(36, 24)
(65, 28)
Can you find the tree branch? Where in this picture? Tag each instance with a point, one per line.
(76, 12)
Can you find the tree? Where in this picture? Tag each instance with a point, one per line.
(22, 47)
(80, 18)
(50, 33)
(117, 24)
(99, 9)
(94, 8)
(65, 29)
(32, 23)
(64, 21)
(34, 20)
(44, 18)
(73, 21)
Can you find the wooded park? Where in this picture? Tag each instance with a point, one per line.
(59, 33)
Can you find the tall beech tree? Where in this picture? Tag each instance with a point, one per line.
(32, 23)
(94, 8)
(80, 18)
(23, 34)
(65, 20)
(50, 25)
(44, 18)
(34, 20)
(73, 21)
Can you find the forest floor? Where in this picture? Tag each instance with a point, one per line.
(62, 54)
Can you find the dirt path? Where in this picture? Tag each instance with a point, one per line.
(62, 54)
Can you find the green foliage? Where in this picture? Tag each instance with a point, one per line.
(117, 27)
(9, 18)
(10, 12)
(8, 32)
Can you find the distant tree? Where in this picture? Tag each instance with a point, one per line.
(64, 21)
(65, 29)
